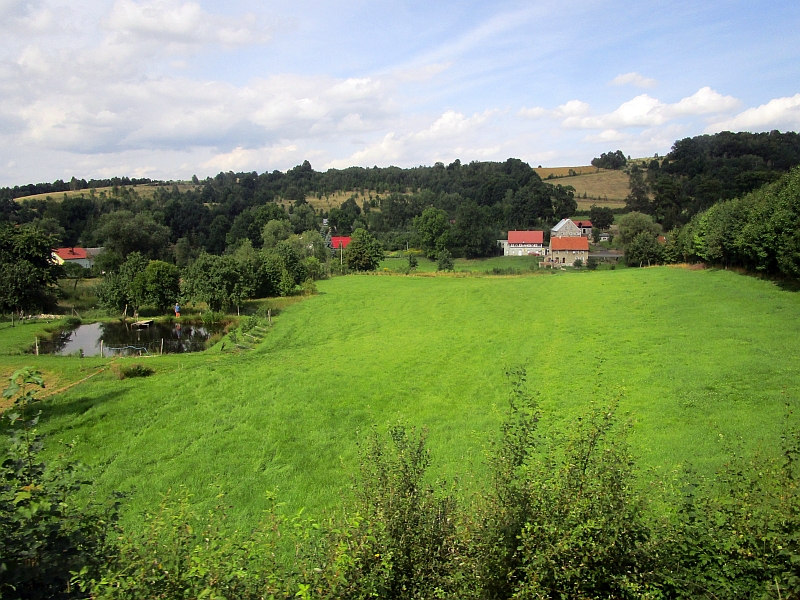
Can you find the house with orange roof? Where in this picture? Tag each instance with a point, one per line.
(566, 250)
(523, 243)
(78, 256)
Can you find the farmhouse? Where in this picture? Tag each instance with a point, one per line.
(566, 228)
(566, 250)
(523, 243)
(77, 256)
(585, 227)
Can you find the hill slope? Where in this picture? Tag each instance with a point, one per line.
(696, 355)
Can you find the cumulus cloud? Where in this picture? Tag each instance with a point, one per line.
(444, 137)
(176, 22)
(243, 159)
(646, 111)
(778, 113)
(633, 79)
(569, 109)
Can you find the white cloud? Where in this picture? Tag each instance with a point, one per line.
(451, 135)
(451, 124)
(704, 101)
(569, 109)
(242, 159)
(572, 108)
(536, 112)
(609, 135)
(633, 79)
(176, 22)
(777, 113)
(646, 111)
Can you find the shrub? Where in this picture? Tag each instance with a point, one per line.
(592, 263)
(413, 263)
(309, 288)
(444, 261)
(562, 519)
(211, 317)
(72, 322)
(46, 532)
(409, 541)
(578, 263)
(133, 370)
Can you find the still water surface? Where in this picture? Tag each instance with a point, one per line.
(120, 338)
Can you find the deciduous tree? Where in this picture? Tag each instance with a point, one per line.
(364, 253)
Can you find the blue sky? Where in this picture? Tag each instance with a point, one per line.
(171, 88)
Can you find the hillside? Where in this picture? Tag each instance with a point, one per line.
(592, 185)
(431, 351)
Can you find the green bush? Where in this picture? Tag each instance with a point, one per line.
(562, 515)
(46, 531)
(211, 317)
(134, 370)
(444, 261)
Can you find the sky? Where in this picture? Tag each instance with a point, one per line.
(168, 89)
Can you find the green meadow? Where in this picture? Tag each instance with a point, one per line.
(702, 362)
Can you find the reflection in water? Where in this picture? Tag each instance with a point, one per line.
(121, 338)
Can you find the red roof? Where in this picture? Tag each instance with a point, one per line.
(526, 237)
(569, 243)
(70, 253)
(340, 241)
(583, 223)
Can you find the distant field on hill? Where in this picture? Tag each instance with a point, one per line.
(602, 187)
(145, 191)
(699, 359)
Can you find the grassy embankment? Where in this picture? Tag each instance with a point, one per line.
(702, 357)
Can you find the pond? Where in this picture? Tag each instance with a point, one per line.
(128, 340)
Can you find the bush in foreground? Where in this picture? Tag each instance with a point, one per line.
(562, 515)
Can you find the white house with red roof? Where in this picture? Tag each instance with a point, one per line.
(523, 243)
(78, 256)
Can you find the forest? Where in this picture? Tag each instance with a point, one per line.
(481, 200)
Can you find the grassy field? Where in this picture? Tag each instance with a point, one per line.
(602, 187)
(481, 265)
(145, 191)
(700, 357)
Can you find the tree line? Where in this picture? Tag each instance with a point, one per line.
(759, 231)
(698, 172)
(481, 200)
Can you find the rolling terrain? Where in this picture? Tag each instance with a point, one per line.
(698, 360)
(601, 187)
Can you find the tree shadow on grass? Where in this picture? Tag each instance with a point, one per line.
(54, 408)
(788, 285)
